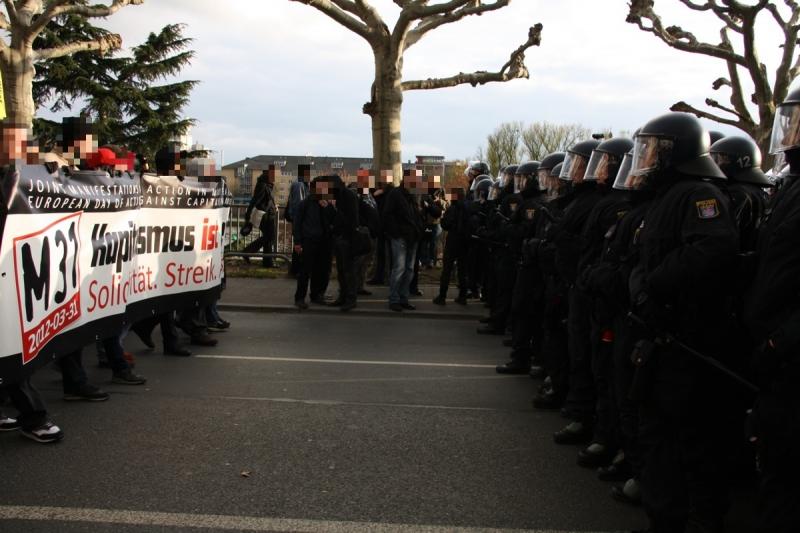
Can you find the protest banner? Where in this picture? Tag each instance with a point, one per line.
(83, 254)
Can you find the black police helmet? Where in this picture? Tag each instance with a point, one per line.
(740, 159)
(480, 167)
(551, 160)
(607, 158)
(675, 141)
(786, 128)
(528, 169)
(510, 169)
(484, 183)
(577, 160)
(716, 136)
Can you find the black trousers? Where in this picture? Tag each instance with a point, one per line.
(555, 354)
(455, 251)
(345, 269)
(505, 277)
(685, 443)
(581, 398)
(265, 241)
(169, 331)
(526, 312)
(27, 401)
(628, 410)
(315, 267)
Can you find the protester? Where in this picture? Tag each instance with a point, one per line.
(403, 225)
(312, 244)
(262, 213)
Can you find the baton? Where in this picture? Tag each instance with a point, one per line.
(669, 338)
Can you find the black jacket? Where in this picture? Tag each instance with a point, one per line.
(566, 235)
(688, 244)
(773, 302)
(309, 224)
(263, 200)
(401, 217)
(343, 218)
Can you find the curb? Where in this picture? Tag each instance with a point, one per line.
(315, 310)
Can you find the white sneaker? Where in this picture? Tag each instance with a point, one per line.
(46, 433)
(8, 423)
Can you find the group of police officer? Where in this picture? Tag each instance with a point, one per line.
(654, 285)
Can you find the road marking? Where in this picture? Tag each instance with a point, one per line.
(342, 361)
(230, 523)
(363, 404)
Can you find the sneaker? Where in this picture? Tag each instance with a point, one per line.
(128, 378)
(87, 393)
(300, 304)
(8, 423)
(396, 307)
(46, 433)
(408, 307)
(364, 292)
(222, 325)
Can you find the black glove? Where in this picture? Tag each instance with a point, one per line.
(654, 314)
(246, 229)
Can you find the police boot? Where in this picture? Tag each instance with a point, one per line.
(440, 300)
(537, 372)
(595, 455)
(515, 366)
(618, 470)
(548, 399)
(630, 493)
(573, 433)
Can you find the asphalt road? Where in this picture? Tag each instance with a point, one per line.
(307, 423)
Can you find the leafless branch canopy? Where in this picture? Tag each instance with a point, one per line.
(513, 69)
(737, 19)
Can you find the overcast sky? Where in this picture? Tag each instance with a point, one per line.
(278, 77)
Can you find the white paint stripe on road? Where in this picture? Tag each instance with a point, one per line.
(228, 522)
(364, 404)
(342, 361)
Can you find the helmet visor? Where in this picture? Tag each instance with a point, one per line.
(650, 153)
(493, 192)
(621, 181)
(786, 129)
(600, 164)
(574, 168)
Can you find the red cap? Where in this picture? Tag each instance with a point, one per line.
(102, 158)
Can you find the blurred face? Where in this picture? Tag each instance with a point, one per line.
(82, 149)
(414, 182)
(520, 182)
(434, 184)
(455, 194)
(365, 181)
(322, 190)
(14, 144)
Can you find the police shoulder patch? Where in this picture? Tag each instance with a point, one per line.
(707, 208)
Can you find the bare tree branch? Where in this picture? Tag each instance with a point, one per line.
(686, 108)
(4, 23)
(787, 69)
(434, 21)
(58, 8)
(675, 36)
(514, 68)
(339, 15)
(103, 44)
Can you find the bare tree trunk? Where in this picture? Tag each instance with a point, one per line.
(18, 74)
(385, 109)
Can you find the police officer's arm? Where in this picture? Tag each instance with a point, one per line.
(709, 245)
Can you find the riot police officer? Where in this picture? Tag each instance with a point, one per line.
(679, 287)
(773, 314)
(567, 242)
(525, 298)
(590, 377)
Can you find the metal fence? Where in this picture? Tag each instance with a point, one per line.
(283, 240)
